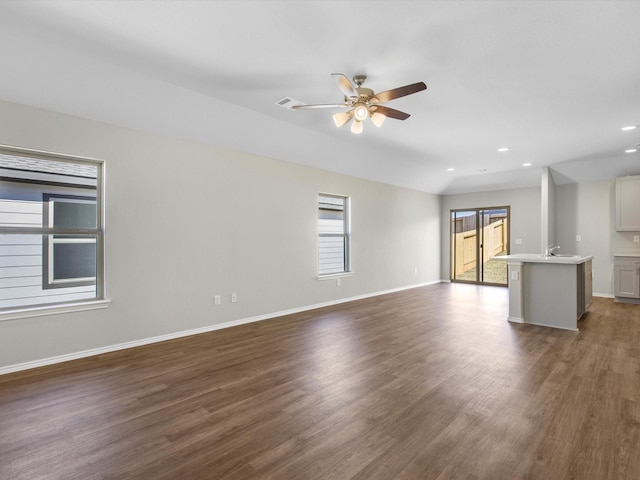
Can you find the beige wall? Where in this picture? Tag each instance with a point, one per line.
(186, 221)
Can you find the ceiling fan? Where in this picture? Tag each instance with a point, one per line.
(363, 103)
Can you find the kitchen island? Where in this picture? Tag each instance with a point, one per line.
(549, 290)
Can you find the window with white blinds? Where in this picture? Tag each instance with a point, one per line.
(333, 234)
(51, 231)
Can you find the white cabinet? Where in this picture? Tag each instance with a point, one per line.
(626, 272)
(628, 203)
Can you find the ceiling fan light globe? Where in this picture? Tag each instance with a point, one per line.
(341, 118)
(356, 127)
(377, 119)
(360, 112)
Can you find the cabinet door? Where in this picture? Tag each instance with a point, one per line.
(628, 204)
(588, 285)
(627, 281)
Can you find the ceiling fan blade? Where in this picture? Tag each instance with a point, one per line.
(400, 92)
(345, 85)
(391, 112)
(322, 105)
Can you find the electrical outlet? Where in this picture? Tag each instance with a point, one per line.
(515, 275)
(338, 282)
(217, 300)
(518, 241)
(234, 297)
(636, 238)
(415, 271)
(578, 238)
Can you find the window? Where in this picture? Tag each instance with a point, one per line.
(51, 232)
(69, 259)
(334, 235)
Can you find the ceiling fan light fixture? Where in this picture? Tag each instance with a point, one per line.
(377, 119)
(341, 118)
(356, 127)
(360, 112)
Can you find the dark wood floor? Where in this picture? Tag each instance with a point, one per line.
(430, 383)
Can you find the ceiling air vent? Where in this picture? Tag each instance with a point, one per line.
(288, 103)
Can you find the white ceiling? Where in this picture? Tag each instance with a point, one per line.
(553, 80)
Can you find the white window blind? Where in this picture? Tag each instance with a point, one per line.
(334, 235)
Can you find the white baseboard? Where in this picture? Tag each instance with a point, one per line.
(604, 295)
(185, 333)
(554, 326)
(630, 301)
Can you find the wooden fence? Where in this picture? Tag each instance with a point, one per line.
(494, 242)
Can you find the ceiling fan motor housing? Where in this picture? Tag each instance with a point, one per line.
(365, 94)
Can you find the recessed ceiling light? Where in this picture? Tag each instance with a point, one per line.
(629, 127)
(450, 169)
(631, 150)
(504, 149)
(482, 170)
(528, 164)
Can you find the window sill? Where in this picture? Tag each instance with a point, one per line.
(53, 309)
(335, 275)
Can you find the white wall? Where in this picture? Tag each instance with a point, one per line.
(588, 210)
(186, 221)
(525, 218)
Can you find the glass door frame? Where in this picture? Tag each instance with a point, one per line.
(479, 244)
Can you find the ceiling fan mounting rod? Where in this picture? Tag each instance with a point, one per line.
(359, 79)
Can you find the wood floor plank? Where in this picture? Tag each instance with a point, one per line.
(428, 384)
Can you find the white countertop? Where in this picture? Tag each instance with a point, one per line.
(540, 258)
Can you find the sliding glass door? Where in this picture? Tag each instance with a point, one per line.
(478, 235)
